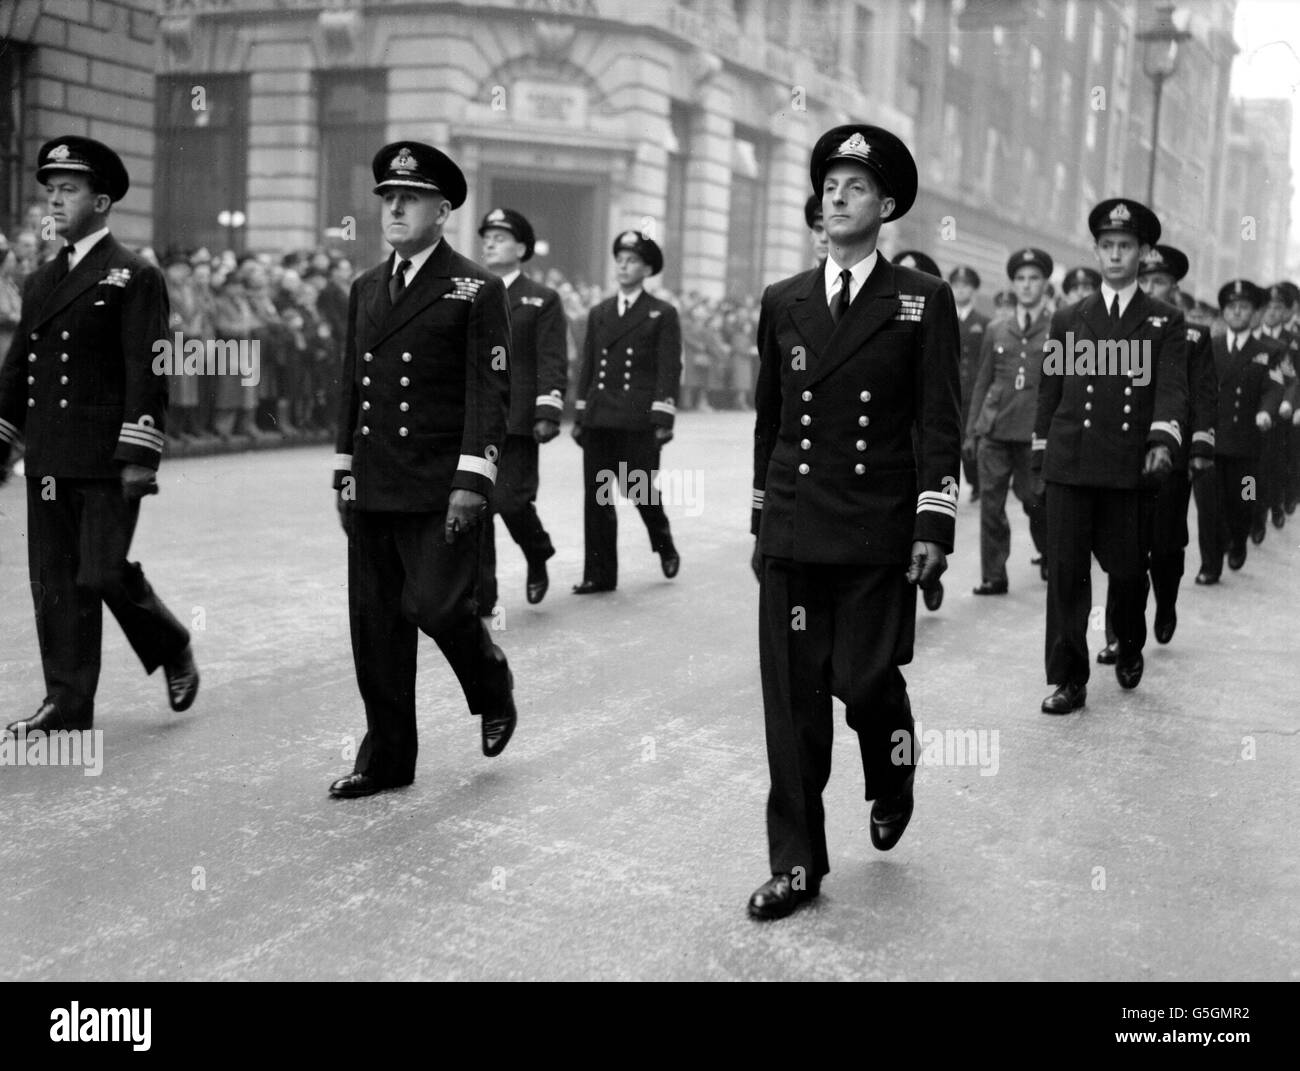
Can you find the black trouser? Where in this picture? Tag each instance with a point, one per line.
(403, 579)
(1113, 524)
(513, 498)
(1003, 465)
(1165, 554)
(1293, 467)
(1270, 491)
(629, 460)
(1223, 512)
(854, 630)
(79, 534)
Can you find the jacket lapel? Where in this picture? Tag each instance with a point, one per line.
(89, 271)
(812, 316)
(1092, 311)
(430, 283)
(377, 303)
(876, 304)
(621, 325)
(1138, 309)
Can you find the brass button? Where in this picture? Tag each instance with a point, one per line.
(365, 405)
(1128, 409)
(63, 380)
(861, 444)
(368, 357)
(627, 386)
(404, 381)
(806, 396)
(803, 470)
(365, 430)
(1089, 388)
(31, 357)
(863, 421)
(805, 444)
(365, 381)
(35, 336)
(31, 402)
(404, 406)
(1128, 390)
(859, 468)
(865, 396)
(64, 335)
(63, 403)
(805, 420)
(406, 357)
(1124, 426)
(1087, 423)
(31, 379)
(402, 432)
(1087, 405)
(63, 357)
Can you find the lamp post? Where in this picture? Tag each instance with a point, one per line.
(1160, 43)
(232, 221)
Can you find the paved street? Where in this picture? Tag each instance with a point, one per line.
(621, 832)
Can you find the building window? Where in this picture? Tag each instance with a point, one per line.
(952, 147)
(747, 220)
(204, 169)
(1067, 98)
(679, 141)
(1036, 78)
(1097, 35)
(13, 70)
(1071, 18)
(352, 106)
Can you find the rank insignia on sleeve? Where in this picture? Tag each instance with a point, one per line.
(910, 307)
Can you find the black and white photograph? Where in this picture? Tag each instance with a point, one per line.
(651, 490)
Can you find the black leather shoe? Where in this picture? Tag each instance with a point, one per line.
(1257, 535)
(1165, 623)
(889, 817)
(182, 680)
(1207, 578)
(1237, 557)
(933, 596)
(777, 897)
(590, 587)
(48, 719)
(359, 784)
(537, 584)
(1066, 698)
(988, 587)
(670, 561)
(1129, 672)
(1109, 654)
(1279, 517)
(1036, 560)
(1290, 507)
(497, 730)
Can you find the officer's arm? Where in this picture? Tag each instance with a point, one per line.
(983, 378)
(487, 390)
(145, 313)
(1203, 383)
(1169, 418)
(552, 359)
(668, 370)
(937, 390)
(13, 392)
(1050, 385)
(348, 400)
(585, 371)
(767, 406)
(1272, 386)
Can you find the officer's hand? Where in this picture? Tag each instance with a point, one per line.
(345, 506)
(663, 435)
(138, 481)
(928, 564)
(577, 434)
(1263, 421)
(1197, 465)
(1158, 461)
(1284, 410)
(463, 512)
(756, 562)
(545, 430)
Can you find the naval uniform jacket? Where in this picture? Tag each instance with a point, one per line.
(425, 386)
(972, 331)
(1095, 428)
(1250, 382)
(836, 476)
(539, 365)
(631, 366)
(1004, 399)
(1202, 394)
(79, 385)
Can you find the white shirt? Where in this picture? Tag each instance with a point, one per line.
(506, 280)
(417, 262)
(1237, 340)
(858, 276)
(83, 246)
(964, 310)
(626, 301)
(1125, 296)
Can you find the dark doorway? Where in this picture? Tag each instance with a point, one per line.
(564, 215)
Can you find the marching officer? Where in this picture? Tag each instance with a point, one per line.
(1293, 455)
(79, 389)
(1162, 268)
(852, 507)
(421, 424)
(1080, 283)
(1249, 397)
(1276, 450)
(538, 378)
(1000, 420)
(1103, 436)
(812, 215)
(972, 324)
(627, 402)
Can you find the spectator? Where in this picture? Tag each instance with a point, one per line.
(183, 390)
(11, 301)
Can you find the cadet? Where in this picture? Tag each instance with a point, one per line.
(1162, 267)
(1079, 284)
(421, 422)
(812, 215)
(79, 387)
(538, 378)
(1109, 420)
(1000, 418)
(1274, 479)
(1248, 401)
(627, 401)
(972, 324)
(851, 507)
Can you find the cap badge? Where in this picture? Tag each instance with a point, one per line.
(496, 216)
(1120, 213)
(854, 146)
(59, 152)
(403, 161)
(1027, 255)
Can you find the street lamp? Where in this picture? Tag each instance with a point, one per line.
(232, 221)
(1160, 44)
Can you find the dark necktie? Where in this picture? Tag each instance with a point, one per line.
(1114, 310)
(61, 264)
(841, 305)
(397, 284)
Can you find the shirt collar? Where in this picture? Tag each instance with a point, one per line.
(417, 261)
(859, 272)
(628, 300)
(1125, 295)
(964, 310)
(83, 246)
(506, 280)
